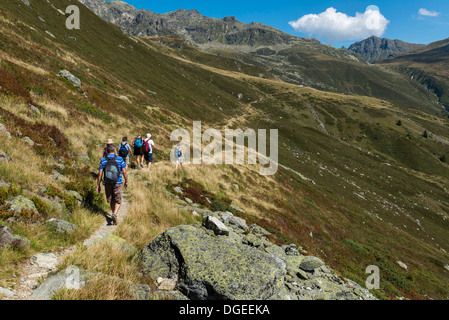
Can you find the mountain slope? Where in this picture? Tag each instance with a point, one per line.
(375, 48)
(301, 61)
(428, 66)
(354, 188)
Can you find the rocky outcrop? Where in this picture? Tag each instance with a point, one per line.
(374, 48)
(240, 265)
(190, 25)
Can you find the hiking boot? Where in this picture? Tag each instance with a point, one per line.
(114, 219)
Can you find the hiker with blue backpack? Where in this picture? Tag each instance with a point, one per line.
(114, 169)
(137, 143)
(179, 155)
(125, 151)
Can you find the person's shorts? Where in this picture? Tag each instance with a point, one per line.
(179, 160)
(148, 157)
(114, 192)
(137, 151)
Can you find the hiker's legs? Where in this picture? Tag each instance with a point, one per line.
(149, 160)
(116, 208)
(140, 161)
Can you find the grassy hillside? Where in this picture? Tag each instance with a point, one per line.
(428, 66)
(355, 188)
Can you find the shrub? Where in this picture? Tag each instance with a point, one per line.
(70, 202)
(28, 216)
(41, 206)
(10, 85)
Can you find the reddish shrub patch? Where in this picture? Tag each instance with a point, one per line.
(11, 84)
(49, 140)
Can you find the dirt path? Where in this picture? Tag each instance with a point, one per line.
(32, 274)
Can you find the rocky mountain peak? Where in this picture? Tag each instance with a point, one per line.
(374, 48)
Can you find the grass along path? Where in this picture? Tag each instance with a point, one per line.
(32, 274)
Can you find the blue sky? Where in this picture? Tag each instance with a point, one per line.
(405, 22)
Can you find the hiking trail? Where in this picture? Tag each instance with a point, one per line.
(35, 271)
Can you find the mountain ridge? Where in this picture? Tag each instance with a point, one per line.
(301, 61)
(374, 48)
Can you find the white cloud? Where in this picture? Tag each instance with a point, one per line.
(427, 13)
(336, 26)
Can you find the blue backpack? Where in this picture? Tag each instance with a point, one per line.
(138, 143)
(178, 152)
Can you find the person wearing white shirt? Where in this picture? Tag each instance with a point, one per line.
(147, 148)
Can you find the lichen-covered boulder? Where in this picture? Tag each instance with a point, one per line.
(20, 203)
(62, 226)
(213, 268)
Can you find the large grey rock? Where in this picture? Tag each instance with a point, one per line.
(211, 268)
(67, 75)
(216, 226)
(62, 226)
